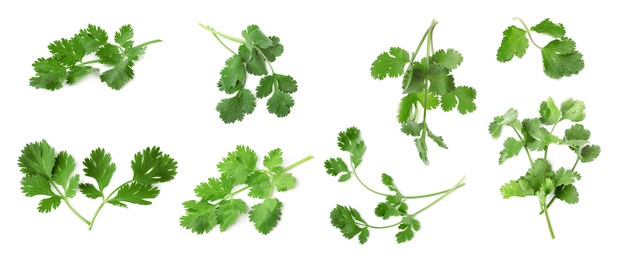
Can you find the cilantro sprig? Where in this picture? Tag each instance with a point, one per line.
(68, 64)
(559, 57)
(542, 179)
(349, 221)
(52, 175)
(427, 85)
(218, 204)
(255, 56)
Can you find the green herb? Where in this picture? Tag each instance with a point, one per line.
(559, 57)
(255, 55)
(542, 180)
(348, 219)
(427, 84)
(67, 62)
(52, 175)
(217, 204)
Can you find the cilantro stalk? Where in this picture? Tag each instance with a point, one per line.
(541, 180)
(349, 220)
(427, 83)
(105, 201)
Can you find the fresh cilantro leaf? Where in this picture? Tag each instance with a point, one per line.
(334, 166)
(69, 54)
(151, 166)
(136, 193)
(49, 204)
(510, 118)
(549, 112)
(228, 211)
(266, 215)
(449, 59)
(90, 191)
(564, 177)
(100, 167)
(511, 148)
(422, 149)
(407, 229)
(464, 96)
(255, 54)
(440, 80)
(568, 194)
(391, 64)
(200, 216)
(219, 204)
(573, 110)
(342, 218)
(350, 141)
(549, 28)
(63, 169)
(33, 185)
(37, 158)
(589, 153)
(577, 133)
(559, 57)
(518, 188)
(513, 43)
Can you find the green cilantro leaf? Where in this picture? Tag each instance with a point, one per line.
(518, 188)
(100, 167)
(589, 153)
(561, 59)
(549, 112)
(49, 204)
(266, 215)
(136, 193)
(350, 141)
(568, 194)
(464, 96)
(261, 185)
(37, 158)
(233, 109)
(90, 191)
(228, 211)
(200, 216)
(151, 166)
(549, 28)
(33, 185)
(69, 54)
(274, 161)
(239, 164)
(283, 181)
(511, 148)
(391, 64)
(255, 37)
(342, 218)
(513, 43)
(449, 59)
(334, 166)
(215, 188)
(510, 118)
(573, 110)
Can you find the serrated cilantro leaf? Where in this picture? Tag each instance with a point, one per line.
(253, 60)
(239, 164)
(422, 149)
(564, 177)
(449, 59)
(49, 204)
(283, 181)
(260, 185)
(518, 188)
(334, 166)
(90, 191)
(200, 216)
(233, 75)
(100, 167)
(152, 166)
(514, 42)
(511, 148)
(228, 211)
(342, 218)
(573, 110)
(561, 59)
(391, 64)
(537, 173)
(266, 215)
(70, 55)
(280, 103)
(549, 112)
(440, 80)
(215, 188)
(63, 169)
(233, 109)
(37, 158)
(136, 193)
(510, 118)
(350, 141)
(568, 194)
(274, 161)
(255, 37)
(32, 185)
(549, 28)
(274, 51)
(463, 96)
(589, 153)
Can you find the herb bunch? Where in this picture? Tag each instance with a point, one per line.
(67, 62)
(255, 55)
(52, 175)
(559, 57)
(542, 180)
(349, 221)
(427, 84)
(217, 204)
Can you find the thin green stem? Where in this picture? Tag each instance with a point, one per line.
(148, 43)
(228, 37)
(440, 197)
(434, 194)
(546, 149)
(222, 43)
(105, 200)
(524, 146)
(238, 191)
(548, 221)
(575, 163)
(305, 159)
(560, 187)
(89, 62)
(353, 171)
(380, 227)
(66, 201)
(426, 82)
(528, 32)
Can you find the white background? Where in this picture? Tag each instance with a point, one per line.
(329, 48)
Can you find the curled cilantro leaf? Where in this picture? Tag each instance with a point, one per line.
(427, 85)
(217, 204)
(53, 176)
(67, 62)
(349, 221)
(254, 56)
(559, 57)
(542, 180)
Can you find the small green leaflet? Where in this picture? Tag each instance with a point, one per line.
(348, 220)
(53, 176)
(255, 55)
(533, 134)
(67, 62)
(427, 85)
(217, 204)
(559, 57)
